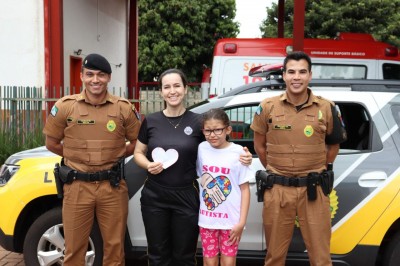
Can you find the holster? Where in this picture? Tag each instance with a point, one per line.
(263, 181)
(59, 183)
(326, 181)
(117, 173)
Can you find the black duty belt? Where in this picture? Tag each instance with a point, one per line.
(93, 177)
(290, 181)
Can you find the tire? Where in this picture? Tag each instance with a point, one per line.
(391, 256)
(44, 242)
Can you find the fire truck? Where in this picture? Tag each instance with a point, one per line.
(348, 56)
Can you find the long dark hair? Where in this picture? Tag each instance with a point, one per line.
(173, 71)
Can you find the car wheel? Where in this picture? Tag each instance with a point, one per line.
(44, 242)
(391, 256)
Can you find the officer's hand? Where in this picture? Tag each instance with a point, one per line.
(155, 168)
(246, 158)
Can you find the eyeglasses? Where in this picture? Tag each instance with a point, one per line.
(216, 131)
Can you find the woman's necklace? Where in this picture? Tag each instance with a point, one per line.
(179, 122)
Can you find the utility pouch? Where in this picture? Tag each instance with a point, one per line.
(66, 174)
(326, 180)
(59, 183)
(263, 181)
(312, 182)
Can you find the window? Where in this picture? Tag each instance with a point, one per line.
(325, 71)
(391, 71)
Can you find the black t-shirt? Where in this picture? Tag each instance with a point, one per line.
(157, 131)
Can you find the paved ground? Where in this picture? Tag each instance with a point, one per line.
(10, 259)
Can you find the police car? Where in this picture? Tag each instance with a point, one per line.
(365, 202)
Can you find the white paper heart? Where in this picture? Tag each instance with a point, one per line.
(167, 158)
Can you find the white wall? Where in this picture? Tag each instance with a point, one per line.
(97, 26)
(21, 43)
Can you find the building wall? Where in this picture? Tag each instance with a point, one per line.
(21, 43)
(97, 26)
(94, 26)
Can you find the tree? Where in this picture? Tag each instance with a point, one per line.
(325, 18)
(182, 34)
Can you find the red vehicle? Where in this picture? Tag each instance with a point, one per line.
(348, 56)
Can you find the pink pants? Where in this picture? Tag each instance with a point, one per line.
(215, 241)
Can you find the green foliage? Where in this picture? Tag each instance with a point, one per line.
(182, 34)
(12, 141)
(325, 18)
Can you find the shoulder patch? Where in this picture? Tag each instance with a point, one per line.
(259, 110)
(136, 112)
(54, 110)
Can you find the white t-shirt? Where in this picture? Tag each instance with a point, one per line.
(225, 173)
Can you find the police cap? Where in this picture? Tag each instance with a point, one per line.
(97, 62)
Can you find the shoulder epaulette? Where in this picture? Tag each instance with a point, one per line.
(70, 97)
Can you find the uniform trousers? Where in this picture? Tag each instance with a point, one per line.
(170, 217)
(281, 205)
(82, 201)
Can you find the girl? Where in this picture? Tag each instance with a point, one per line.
(224, 192)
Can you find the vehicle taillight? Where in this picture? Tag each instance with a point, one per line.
(391, 51)
(230, 48)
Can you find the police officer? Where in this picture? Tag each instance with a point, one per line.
(90, 130)
(296, 135)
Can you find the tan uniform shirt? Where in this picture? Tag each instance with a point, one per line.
(94, 137)
(295, 139)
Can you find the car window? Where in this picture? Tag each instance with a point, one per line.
(326, 71)
(391, 71)
(362, 135)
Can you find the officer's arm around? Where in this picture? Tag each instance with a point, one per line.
(331, 152)
(260, 147)
(54, 145)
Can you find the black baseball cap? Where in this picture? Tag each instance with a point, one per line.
(97, 62)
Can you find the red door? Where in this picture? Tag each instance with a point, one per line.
(75, 82)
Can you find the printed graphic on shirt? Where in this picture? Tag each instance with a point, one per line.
(188, 130)
(215, 190)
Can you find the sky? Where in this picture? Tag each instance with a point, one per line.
(250, 14)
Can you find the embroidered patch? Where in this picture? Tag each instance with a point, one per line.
(259, 110)
(308, 131)
(86, 122)
(54, 110)
(283, 127)
(339, 114)
(111, 126)
(136, 112)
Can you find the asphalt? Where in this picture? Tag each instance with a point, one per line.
(11, 259)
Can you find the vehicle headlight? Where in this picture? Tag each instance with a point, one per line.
(6, 172)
